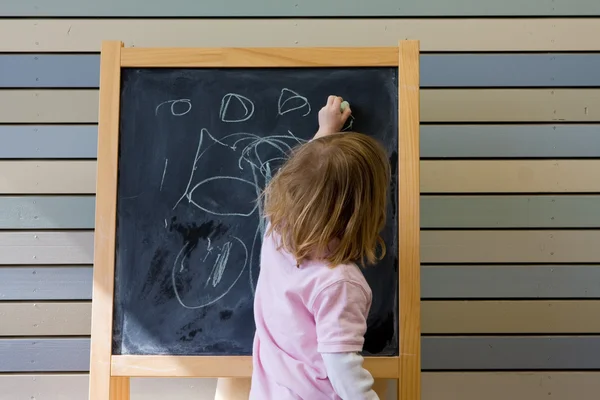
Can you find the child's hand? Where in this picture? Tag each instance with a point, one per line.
(331, 118)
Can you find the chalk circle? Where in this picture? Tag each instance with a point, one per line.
(220, 195)
(298, 102)
(223, 260)
(240, 110)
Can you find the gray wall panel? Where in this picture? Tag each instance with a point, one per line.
(437, 70)
(437, 282)
(228, 8)
(49, 70)
(47, 212)
(510, 281)
(437, 141)
(33, 141)
(510, 70)
(510, 211)
(46, 283)
(438, 353)
(44, 355)
(514, 141)
(511, 353)
(437, 212)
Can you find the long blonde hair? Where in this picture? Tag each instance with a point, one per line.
(331, 190)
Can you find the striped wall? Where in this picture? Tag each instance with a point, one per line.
(510, 205)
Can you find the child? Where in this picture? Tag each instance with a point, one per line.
(325, 208)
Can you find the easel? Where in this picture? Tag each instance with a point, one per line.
(109, 375)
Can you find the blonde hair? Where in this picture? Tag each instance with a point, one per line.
(329, 200)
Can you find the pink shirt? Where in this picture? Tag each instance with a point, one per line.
(301, 313)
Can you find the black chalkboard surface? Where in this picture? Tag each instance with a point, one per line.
(196, 146)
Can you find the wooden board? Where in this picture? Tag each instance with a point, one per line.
(49, 71)
(542, 246)
(510, 317)
(73, 177)
(437, 141)
(45, 319)
(510, 105)
(48, 141)
(47, 212)
(455, 34)
(452, 176)
(510, 141)
(507, 211)
(510, 176)
(307, 8)
(438, 317)
(510, 281)
(60, 247)
(446, 246)
(46, 283)
(436, 386)
(437, 105)
(437, 211)
(36, 106)
(437, 70)
(439, 353)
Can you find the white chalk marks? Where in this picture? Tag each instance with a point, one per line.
(241, 110)
(296, 102)
(206, 295)
(241, 165)
(178, 107)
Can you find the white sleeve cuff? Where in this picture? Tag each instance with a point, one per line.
(348, 377)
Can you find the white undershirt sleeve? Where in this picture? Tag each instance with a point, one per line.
(348, 377)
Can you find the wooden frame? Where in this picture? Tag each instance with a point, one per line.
(109, 375)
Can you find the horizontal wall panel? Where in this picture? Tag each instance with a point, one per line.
(509, 385)
(510, 317)
(61, 247)
(499, 34)
(566, 211)
(44, 355)
(447, 246)
(449, 211)
(453, 176)
(45, 319)
(437, 105)
(510, 281)
(46, 283)
(38, 177)
(435, 386)
(47, 212)
(49, 71)
(510, 70)
(438, 353)
(437, 70)
(510, 105)
(48, 141)
(437, 141)
(510, 141)
(526, 176)
(545, 246)
(289, 8)
(51, 106)
(510, 353)
(438, 317)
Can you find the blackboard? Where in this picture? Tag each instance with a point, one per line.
(195, 147)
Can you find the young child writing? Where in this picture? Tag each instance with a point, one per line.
(325, 209)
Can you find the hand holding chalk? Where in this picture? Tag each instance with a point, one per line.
(333, 116)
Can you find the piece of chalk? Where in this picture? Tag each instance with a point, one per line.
(344, 105)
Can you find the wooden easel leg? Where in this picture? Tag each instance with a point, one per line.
(119, 388)
(380, 386)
